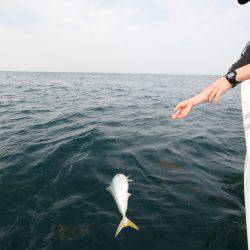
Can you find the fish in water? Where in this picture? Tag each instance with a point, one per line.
(172, 166)
(119, 191)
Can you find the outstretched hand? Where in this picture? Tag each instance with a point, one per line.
(212, 93)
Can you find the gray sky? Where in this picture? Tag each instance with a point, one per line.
(135, 36)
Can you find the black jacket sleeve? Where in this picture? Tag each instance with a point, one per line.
(244, 59)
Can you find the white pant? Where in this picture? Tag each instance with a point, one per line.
(245, 97)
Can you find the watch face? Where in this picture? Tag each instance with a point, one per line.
(231, 75)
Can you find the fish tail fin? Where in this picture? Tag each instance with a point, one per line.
(125, 222)
(132, 224)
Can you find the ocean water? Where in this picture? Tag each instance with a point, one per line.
(63, 136)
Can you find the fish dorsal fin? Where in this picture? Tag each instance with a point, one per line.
(129, 194)
(128, 178)
(109, 189)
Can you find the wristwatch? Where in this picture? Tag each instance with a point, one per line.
(231, 77)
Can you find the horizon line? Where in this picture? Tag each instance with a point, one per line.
(121, 73)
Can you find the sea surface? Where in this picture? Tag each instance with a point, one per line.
(63, 136)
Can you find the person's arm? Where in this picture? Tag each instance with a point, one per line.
(243, 73)
(216, 89)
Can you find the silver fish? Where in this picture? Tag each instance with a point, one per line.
(119, 190)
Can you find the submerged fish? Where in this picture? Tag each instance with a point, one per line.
(172, 166)
(119, 191)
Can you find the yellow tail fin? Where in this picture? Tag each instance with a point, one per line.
(125, 222)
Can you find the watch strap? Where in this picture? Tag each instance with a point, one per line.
(232, 79)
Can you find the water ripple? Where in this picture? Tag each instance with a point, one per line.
(64, 136)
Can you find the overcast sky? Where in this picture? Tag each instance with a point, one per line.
(134, 36)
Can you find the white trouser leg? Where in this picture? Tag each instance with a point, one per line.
(245, 97)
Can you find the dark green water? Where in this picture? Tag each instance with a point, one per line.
(64, 136)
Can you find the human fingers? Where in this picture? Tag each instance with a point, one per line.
(180, 105)
(178, 109)
(174, 116)
(183, 112)
(177, 112)
(217, 98)
(211, 96)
